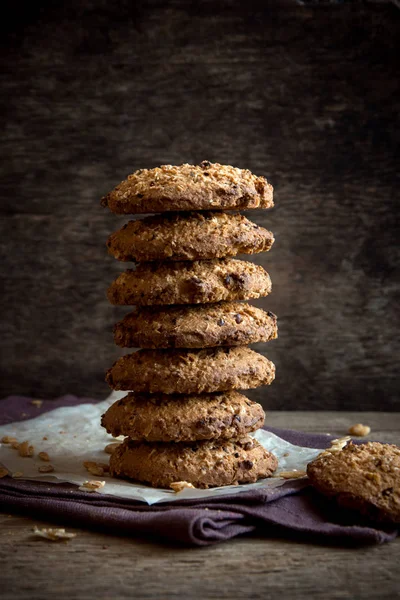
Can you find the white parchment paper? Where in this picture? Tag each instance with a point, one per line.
(74, 435)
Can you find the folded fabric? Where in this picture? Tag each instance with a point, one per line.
(292, 510)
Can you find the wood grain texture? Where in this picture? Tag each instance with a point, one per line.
(264, 568)
(308, 97)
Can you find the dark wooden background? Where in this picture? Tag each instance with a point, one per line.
(308, 97)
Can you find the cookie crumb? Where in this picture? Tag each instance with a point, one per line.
(54, 534)
(25, 449)
(91, 486)
(3, 472)
(359, 430)
(17, 474)
(44, 456)
(111, 447)
(8, 439)
(14, 445)
(46, 469)
(37, 403)
(178, 486)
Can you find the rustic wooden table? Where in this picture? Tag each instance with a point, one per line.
(96, 565)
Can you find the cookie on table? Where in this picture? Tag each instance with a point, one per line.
(364, 477)
(188, 236)
(195, 326)
(207, 186)
(195, 282)
(183, 418)
(190, 371)
(204, 464)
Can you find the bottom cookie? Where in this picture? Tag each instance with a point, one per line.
(204, 464)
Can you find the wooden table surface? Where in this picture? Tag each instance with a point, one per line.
(97, 565)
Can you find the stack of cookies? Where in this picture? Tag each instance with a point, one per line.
(184, 419)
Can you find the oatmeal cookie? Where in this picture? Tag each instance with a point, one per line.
(204, 464)
(188, 236)
(195, 326)
(364, 477)
(191, 371)
(208, 186)
(189, 282)
(183, 418)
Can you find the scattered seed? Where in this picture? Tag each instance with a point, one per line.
(91, 486)
(359, 430)
(111, 447)
(53, 534)
(25, 450)
(178, 486)
(46, 469)
(8, 439)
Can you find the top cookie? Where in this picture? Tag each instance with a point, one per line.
(188, 236)
(364, 477)
(189, 187)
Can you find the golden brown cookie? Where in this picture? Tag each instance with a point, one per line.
(364, 477)
(204, 464)
(183, 418)
(188, 236)
(190, 371)
(189, 283)
(208, 186)
(195, 326)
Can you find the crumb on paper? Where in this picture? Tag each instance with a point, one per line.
(37, 403)
(14, 445)
(111, 447)
(295, 474)
(8, 439)
(359, 430)
(55, 534)
(3, 472)
(95, 468)
(91, 486)
(286, 454)
(17, 474)
(45, 437)
(178, 486)
(46, 469)
(25, 449)
(44, 456)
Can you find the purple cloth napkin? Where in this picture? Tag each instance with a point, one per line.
(293, 510)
